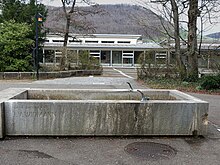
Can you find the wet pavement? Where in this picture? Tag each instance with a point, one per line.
(109, 150)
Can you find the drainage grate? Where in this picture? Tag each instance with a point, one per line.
(150, 150)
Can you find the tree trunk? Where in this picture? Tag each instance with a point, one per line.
(192, 53)
(63, 60)
(180, 64)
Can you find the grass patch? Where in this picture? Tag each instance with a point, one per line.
(164, 83)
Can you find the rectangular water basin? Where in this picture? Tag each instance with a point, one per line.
(62, 112)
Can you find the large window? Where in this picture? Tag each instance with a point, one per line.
(105, 57)
(88, 41)
(107, 42)
(72, 56)
(124, 42)
(49, 56)
(117, 57)
(58, 40)
(136, 56)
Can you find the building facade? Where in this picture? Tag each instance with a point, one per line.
(110, 49)
(122, 50)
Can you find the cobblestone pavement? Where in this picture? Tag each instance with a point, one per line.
(107, 150)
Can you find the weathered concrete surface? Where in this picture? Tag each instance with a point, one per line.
(105, 117)
(13, 93)
(102, 112)
(45, 75)
(4, 96)
(2, 121)
(101, 94)
(11, 75)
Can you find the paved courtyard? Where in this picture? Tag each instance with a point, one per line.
(108, 150)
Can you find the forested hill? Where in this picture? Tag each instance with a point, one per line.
(214, 35)
(114, 19)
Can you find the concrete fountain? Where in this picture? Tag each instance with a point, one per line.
(100, 112)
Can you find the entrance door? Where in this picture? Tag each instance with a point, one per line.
(116, 58)
(105, 58)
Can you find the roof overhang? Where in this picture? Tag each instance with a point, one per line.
(137, 47)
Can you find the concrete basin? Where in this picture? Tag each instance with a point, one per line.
(62, 112)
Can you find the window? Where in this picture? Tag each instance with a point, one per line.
(107, 42)
(124, 42)
(77, 41)
(58, 40)
(49, 56)
(128, 52)
(87, 41)
(94, 51)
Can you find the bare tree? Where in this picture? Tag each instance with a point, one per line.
(70, 9)
(177, 11)
(63, 62)
(176, 25)
(197, 8)
(170, 11)
(192, 52)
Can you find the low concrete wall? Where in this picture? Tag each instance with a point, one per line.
(186, 116)
(47, 75)
(2, 120)
(4, 96)
(57, 118)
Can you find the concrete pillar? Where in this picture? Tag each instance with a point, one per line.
(168, 56)
(100, 57)
(122, 58)
(54, 56)
(1, 120)
(43, 56)
(133, 59)
(110, 57)
(77, 57)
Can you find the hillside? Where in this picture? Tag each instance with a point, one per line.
(214, 35)
(114, 19)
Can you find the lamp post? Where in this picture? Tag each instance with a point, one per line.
(39, 19)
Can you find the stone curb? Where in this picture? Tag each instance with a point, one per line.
(47, 75)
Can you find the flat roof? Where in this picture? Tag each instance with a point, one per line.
(97, 35)
(138, 46)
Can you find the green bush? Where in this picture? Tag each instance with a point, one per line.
(15, 54)
(87, 62)
(149, 68)
(210, 82)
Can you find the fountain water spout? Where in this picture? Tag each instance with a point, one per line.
(144, 98)
(131, 89)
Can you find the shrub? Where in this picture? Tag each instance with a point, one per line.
(87, 62)
(211, 82)
(49, 68)
(149, 68)
(15, 46)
